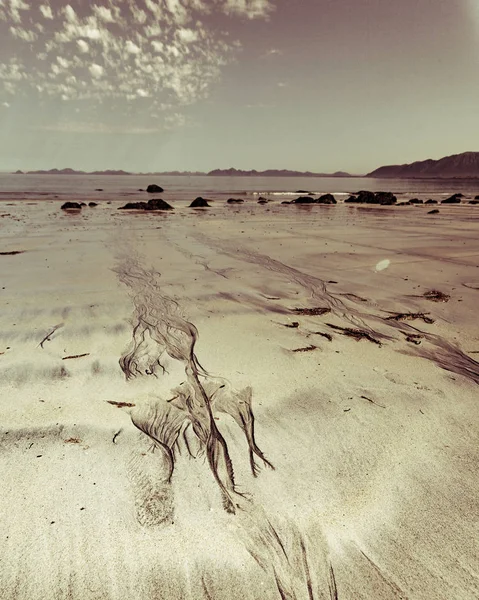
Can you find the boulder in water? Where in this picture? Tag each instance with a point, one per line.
(326, 199)
(200, 203)
(385, 198)
(154, 189)
(431, 201)
(71, 206)
(455, 199)
(156, 204)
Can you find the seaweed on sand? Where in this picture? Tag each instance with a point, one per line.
(158, 329)
(436, 296)
(411, 317)
(357, 334)
(312, 312)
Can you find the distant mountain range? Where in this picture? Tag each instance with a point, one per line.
(107, 172)
(215, 173)
(465, 165)
(273, 173)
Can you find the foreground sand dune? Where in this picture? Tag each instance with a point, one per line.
(373, 440)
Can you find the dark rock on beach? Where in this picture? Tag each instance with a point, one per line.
(235, 200)
(199, 203)
(416, 201)
(476, 198)
(435, 211)
(99, 190)
(92, 204)
(474, 201)
(431, 201)
(385, 198)
(455, 199)
(156, 204)
(326, 199)
(366, 197)
(403, 204)
(71, 206)
(154, 189)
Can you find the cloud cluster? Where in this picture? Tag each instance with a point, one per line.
(155, 55)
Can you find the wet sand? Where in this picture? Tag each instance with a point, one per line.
(118, 483)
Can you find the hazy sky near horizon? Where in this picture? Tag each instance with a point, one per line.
(154, 85)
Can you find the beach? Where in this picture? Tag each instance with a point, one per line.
(349, 332)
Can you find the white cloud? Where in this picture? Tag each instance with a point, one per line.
(251, 9)
(97, 71)
(46, 11)
(131, 47)
(83, 46)
(23, 34)
(103, 13)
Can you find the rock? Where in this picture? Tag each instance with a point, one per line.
(365, 197)
(286, 202)
(303, 192)
(71, 206)
(156, 204)
(416, 201)
(326, 199)
(433, 212)
(385, 198)
(82, 204)
(99, 190)
(262, 201)
(456, 199)
(474, 201)
(476, 198)
(403, 204)
(200, 203)
(141, 190)
(92, 204)
(154, 189)
(235, 200)
(431, 201)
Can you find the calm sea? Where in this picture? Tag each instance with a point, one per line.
(185, 189)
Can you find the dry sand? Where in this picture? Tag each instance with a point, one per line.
(374, 441)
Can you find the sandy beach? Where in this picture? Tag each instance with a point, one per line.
(357, 478)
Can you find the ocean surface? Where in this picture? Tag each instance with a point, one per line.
(185, 189)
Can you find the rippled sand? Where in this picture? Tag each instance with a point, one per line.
(303, 332)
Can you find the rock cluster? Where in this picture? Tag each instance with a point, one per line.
(366, 197)
(156, 204)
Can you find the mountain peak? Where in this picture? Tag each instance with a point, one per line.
(464, 165)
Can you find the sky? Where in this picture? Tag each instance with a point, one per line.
(160, 85)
